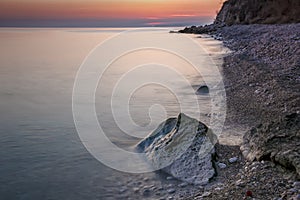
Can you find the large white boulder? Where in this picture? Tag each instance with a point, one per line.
(182, 147)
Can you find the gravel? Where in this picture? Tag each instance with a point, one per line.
(262, 81)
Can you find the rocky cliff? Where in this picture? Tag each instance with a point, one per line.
(259, 12)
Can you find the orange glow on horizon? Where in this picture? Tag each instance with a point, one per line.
(104, 9)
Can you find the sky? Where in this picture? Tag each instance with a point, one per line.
(107, 13)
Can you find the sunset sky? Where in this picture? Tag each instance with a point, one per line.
(107, 13)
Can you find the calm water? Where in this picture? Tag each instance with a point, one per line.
(41, 154)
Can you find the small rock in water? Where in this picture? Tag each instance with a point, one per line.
(233, 160)
(203, 90)
(222, 165)
(171, 190)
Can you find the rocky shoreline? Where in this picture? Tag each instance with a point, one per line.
(262, 80)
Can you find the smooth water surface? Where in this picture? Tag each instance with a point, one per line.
(41, 154)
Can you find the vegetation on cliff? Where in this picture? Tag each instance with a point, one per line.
(259, 12)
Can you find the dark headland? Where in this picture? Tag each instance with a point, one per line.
(262, 80)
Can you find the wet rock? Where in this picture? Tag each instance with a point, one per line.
(207, 29)
(203, 90)
(182, 147)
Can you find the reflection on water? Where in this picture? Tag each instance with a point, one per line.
(41, 155)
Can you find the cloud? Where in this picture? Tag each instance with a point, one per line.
(152, 18)
(183, 15)
(155, 23)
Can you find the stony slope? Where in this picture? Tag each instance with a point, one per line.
(262, 82)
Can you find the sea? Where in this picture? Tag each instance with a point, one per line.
(129, 80)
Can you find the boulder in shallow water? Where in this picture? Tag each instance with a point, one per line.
(203, 90)
(182, 147)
